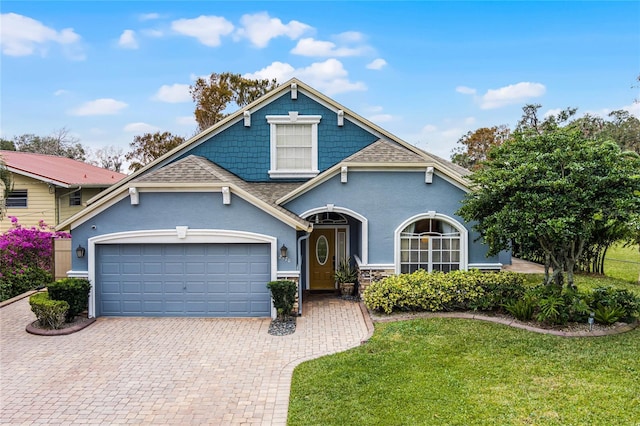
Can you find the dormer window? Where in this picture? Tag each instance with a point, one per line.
(294, 145)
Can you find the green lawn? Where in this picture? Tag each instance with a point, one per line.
(623, 263)
(464, 372)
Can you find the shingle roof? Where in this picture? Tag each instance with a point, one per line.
(59, 170)
(384, 151)
(195, 169)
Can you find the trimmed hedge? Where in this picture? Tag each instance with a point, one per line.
(437, 291)
(283, 293)
(50, 313)
(75, 291)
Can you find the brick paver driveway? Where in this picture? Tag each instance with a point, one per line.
(164, 370)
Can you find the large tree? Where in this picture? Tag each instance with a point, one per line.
(474, 146)
(60, 143)
(148, 147)
(109, 157)
(552, 190)
(213, 95)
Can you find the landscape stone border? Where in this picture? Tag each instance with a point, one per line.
(511, 322)
(31, 328)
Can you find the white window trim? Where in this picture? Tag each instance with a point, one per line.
(464, 236)
(293, 118)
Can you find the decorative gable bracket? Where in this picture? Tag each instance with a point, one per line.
(428, 176)
(135, 196)
(344, 170)
(247, 118)
(294, 91)
(340, 118)
(226, 195)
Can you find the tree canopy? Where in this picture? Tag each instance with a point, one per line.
(476, 145)
(553, 190)
(148, 147)
(59, 143)
(213, 95)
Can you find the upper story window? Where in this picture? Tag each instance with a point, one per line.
(16, 198)
(294, 145)
(75, 198)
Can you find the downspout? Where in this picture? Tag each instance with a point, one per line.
(299, 269)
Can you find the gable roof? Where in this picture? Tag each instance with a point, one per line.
(59, 171)
(194, 173)
(388, 151)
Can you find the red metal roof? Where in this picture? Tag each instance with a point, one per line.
(58, 170)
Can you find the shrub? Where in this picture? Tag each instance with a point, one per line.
(608, 314)
(626, 301)
(15, 282)
(25, 256)
(522, 309)
(74, 291)
(551, 309)
(283, 293)
(50, 313)
(437, 291)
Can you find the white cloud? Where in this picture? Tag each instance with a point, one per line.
(186, 120)
(150, 32)
(104, 106)
(350, 37)
(469, 120)
(465, 90)
(140, 128)
(329, 76)
(23, 36)
(633, 109)
(381, 118)
(429, 128)
(376, 64)
(551, 112)
(512, 94)
(175, 93)
(260, 28)
(323, 49)
(128, 40)
(207, 29)
(60, 92)
(148, 16)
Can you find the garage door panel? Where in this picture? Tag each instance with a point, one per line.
(183, 280)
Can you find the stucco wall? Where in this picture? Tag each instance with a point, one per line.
(387, 199)
(197, 210)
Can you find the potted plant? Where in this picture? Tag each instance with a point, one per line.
(346, 277)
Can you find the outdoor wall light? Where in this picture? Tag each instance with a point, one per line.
(80, 251)
(283, 252)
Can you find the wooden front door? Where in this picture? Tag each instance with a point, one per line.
(322, 255)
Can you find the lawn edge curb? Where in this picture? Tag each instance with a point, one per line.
(511, 323)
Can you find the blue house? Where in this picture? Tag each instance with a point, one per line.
(284, 188)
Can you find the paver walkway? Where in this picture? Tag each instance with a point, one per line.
(164, 370)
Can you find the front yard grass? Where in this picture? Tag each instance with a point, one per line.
(462, 372)
(623, 263)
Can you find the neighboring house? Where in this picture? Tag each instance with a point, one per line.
(282, 189)
(50, 188)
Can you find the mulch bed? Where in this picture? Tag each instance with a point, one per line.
(79, 322)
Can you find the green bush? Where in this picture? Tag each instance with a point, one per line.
(283, 293)
(522, 309)
(608, 314)
(74, 291)
(437, 291)
(14, 283)
(50, 313)
(627, 302)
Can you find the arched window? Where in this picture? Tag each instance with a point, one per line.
(430, 244)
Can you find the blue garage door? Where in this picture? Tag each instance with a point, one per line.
(192, 280)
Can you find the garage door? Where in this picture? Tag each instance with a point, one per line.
(194, 280)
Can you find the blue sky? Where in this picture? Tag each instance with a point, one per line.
(425, 71)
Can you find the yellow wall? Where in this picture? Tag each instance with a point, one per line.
(64, 209)
(40, 204)
(43, 205)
